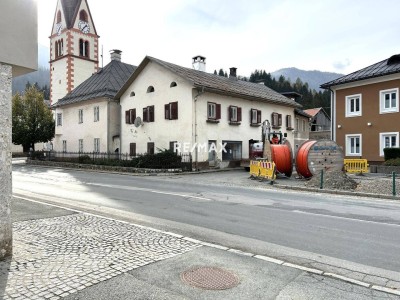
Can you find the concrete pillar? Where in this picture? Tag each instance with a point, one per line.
(5, 161)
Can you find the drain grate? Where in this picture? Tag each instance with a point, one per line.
(210, 278)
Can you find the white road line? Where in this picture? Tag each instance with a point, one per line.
(237, 251)
(343, 218)
(148, 190)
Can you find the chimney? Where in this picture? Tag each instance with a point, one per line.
(232, 73)
(115, 54)
(199, 63)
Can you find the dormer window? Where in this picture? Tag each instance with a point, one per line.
(150, 89)
(83, 16)
(173, 84)
(58, 17)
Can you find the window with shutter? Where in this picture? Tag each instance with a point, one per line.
(239, 114)
(151, 113)
(259, 116)
(218, 111)
(167, 111)
(132, 149)
(150, 148)
(211, 111)
(127, 117)
(132, 115)
(289, 122)
(174, 110)
(276, 120)
(145, 114)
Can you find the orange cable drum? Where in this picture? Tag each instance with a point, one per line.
(282, 157)
(314, 156)
(302, 159)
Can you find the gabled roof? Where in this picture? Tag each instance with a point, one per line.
(300, 112)
(216, 84)
(314, 111)
(382, 68)
(105, 83)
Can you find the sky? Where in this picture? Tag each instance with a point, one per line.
(339, 36)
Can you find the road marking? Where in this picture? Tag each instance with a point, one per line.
(237, 251)
(149, 190)
(344, 218)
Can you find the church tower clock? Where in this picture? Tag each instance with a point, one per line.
(74, 47)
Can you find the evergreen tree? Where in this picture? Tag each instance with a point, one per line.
(32, 120)
(221, 72)
(215, 72)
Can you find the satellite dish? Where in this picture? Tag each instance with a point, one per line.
(138, 122)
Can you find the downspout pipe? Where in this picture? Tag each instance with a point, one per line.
(333, 123)
(200, 91)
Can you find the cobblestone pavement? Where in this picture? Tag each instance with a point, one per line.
(58, 256)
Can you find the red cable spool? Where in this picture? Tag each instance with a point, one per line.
(314, 156)
(282, 157)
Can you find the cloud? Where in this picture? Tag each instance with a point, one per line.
(341, 65)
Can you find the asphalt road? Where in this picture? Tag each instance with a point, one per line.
(363, 231)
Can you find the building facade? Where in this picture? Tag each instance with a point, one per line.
(320, 124)
(213, 117)
(365, 108)
(88, 118)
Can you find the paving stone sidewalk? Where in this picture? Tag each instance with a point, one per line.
(55, 257)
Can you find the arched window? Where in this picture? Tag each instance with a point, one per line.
(83, 16)
(173, 84)
(83, 48)
(59, 17)
(56, 48)
(132, 94)
(150, 89)
(59, 48)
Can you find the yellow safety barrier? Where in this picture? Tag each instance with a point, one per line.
(356, 165)
(254, 168)
(267, 170)
(262, 169)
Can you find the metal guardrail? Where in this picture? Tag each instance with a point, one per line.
(356, 165)
(100, 157)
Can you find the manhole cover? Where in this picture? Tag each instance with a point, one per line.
(210, 278)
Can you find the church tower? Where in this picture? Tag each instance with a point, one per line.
(74, 47)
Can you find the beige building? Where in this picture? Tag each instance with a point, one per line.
(199, 112)
(88, 118)
(365, 110)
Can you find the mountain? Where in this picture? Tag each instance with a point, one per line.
(41, 76)
(313, 78)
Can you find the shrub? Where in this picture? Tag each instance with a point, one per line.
(392, 162)
(391, 153)
(85, 159)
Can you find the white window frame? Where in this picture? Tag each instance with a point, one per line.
(382, 93)
(297, 125)
(382, 136)
(96, 147)
(354, 113)
(348, 144)
(96, 111)
(80, 145)
(64, 146)
(211, 110)
(80, 116)
(234, 113)
(254, 114)
(59, 119)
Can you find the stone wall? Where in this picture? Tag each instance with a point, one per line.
(5, 160)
